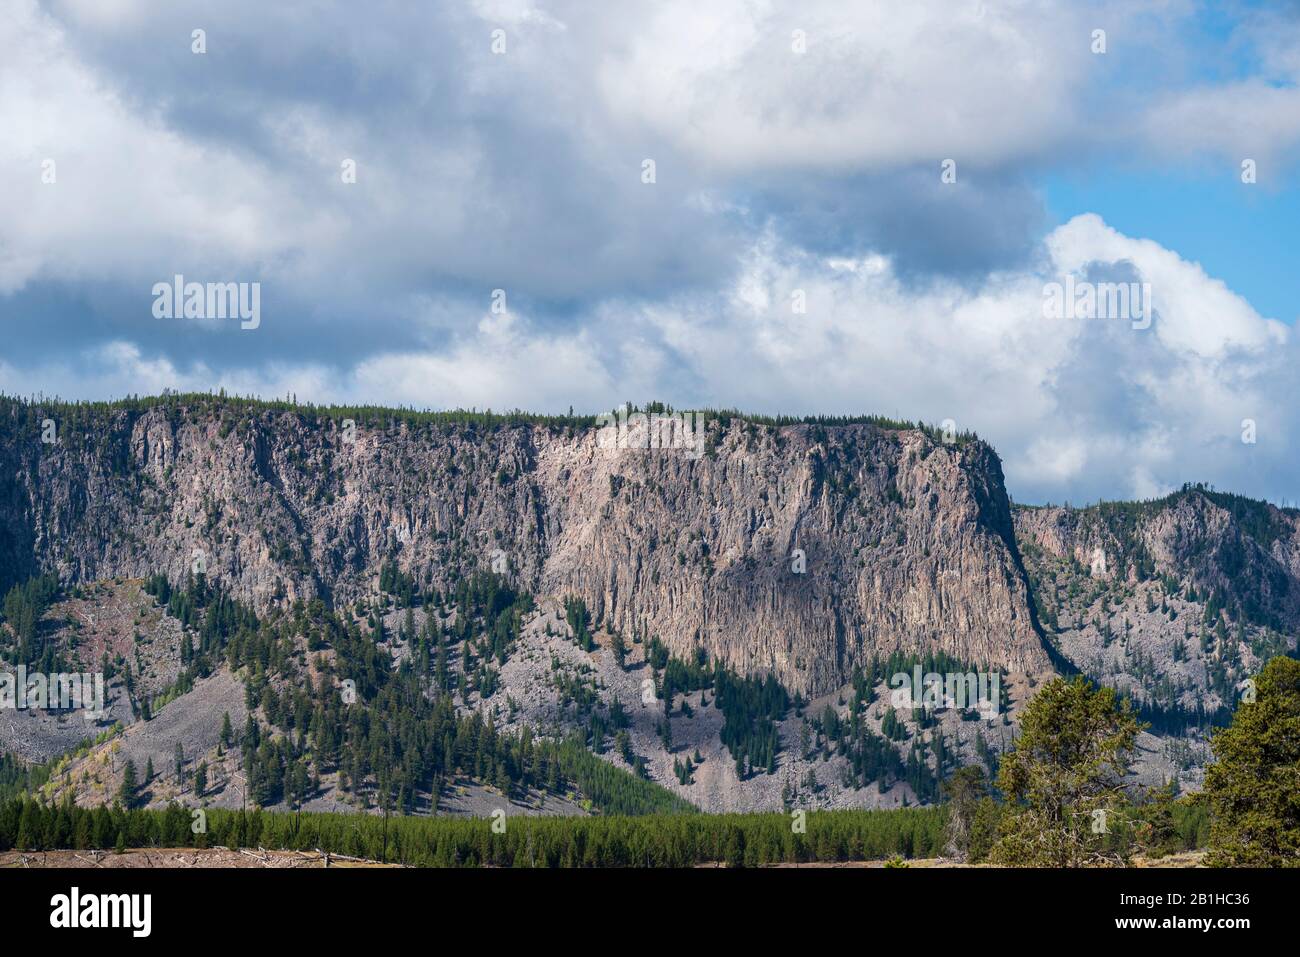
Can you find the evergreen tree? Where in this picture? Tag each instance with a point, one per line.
(1065, 777)
(964, 790)
(1254, 784)
(130, 786)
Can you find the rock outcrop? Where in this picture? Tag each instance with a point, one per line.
(800, 549)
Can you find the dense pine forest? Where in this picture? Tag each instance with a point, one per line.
(655, 840)
(613, 841)
(23, 607)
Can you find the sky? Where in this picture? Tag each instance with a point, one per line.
(821, 207)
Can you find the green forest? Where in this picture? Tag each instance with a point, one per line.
(615, 841)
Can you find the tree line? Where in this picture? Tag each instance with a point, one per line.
(517, 841)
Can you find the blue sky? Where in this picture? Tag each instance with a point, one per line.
(1246, 236)
(853, 207)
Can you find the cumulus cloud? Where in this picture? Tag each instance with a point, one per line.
(1252, 119)
(93, 188)
(861, 86)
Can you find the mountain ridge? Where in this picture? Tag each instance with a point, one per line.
(807, 550)
(907, 540)
(263, 454)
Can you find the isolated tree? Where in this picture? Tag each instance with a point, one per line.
(1065, 778)
(201, 778)
(226, 731)
(964, 790)
(1254, 784)
(130, 786)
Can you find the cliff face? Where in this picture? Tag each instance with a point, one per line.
(1245, 551)
(907, 543)
(1176, 600)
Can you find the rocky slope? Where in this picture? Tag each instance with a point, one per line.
(800, 550)
(1176, 601)
(534, 692)
(907, 542)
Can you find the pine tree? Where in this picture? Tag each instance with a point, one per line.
(1254, 782)
(29, 827)
(1065, 775)
(964, 790)
(127, 792)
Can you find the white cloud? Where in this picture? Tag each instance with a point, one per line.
(1078, 408)
(1250, 119)
(502, 365)
(1209, 318)
(129, 193)
(1254, 116)
(119, 368)
(879, 84)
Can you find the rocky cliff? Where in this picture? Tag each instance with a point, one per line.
(1176, 600)
(802, 549)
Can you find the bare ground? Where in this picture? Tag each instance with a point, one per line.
(183, 858)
